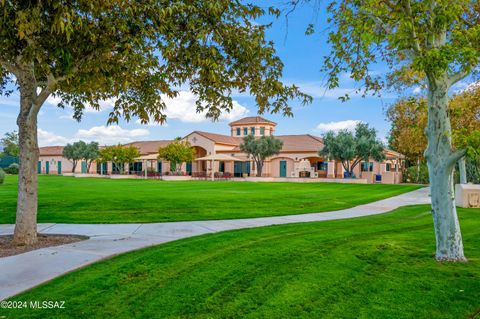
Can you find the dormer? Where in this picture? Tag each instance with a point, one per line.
(252, 125)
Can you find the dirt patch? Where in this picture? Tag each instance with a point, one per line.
(8, 249)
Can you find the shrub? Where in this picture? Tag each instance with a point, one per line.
(12, 169)
(2, 176)
(411, 174)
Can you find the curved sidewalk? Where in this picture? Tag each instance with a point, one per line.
(21, 272)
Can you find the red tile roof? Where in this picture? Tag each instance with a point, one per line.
(51, 151)
(220, 138)
(149, 147)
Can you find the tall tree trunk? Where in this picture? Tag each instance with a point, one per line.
(463, 170)
(74, 166)
(441, 161)
(26, 219)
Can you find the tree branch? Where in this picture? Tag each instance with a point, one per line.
(10, 67)
(461, 74)
(415, 43)
(456, 156)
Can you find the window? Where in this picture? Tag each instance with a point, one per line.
(238, 131)
(367, 167)
(252, 130)
(262, 131)
(388, 167)
(245, 131)
(322, 166)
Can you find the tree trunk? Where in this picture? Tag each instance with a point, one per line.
(441, 162)
(26, 219)
(259, 168)
(89, 164)
(463, 171)
(74, 166)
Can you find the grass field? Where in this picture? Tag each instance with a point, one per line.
(373, 267)
(88, 200)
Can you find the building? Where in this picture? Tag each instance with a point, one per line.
(298, 157)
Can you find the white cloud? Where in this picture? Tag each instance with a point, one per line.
(337, 126)
(417, 90)
(111, 134)
(183, 108)
(46, 138)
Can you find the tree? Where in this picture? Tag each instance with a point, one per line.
(351, 149)
(74, 152)
(10, 144)
(431, 42)
(407, 135)
(261, 148)
(119, 155)
(135, 53)
(90, 154)
(409, 121)
(177, 153)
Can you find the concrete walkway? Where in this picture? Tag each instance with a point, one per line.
(27, 270)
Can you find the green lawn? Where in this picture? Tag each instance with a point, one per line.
(373, 267)
(88, 200)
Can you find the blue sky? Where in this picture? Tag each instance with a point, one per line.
(302, 56)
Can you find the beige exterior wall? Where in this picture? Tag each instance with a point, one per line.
(268, 128)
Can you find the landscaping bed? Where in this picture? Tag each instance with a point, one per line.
(8, 249)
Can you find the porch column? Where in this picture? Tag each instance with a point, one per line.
(331, 169)
(383, 168)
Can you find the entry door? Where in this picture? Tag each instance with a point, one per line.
(84, 167)
(39, 167)
(47, 167)
(283, 168)
(59, 168)
(189, 168)
(159, 166)
(237, 169)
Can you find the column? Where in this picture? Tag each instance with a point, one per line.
(331, 169)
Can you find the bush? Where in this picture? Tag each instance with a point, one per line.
(2, 176)
(411, 175)
(12, 169)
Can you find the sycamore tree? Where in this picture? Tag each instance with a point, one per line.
(177, 153)
(434, 42)
(259, 148)
(134, 53)
(353, 148)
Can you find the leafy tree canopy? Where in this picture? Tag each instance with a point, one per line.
(119, 154)
(10, 144)
(259, 148)
(176, 153)
(74, 152)
(418, 40)
(352, 148)
(136, 52)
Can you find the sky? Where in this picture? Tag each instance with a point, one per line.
(302, 56)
